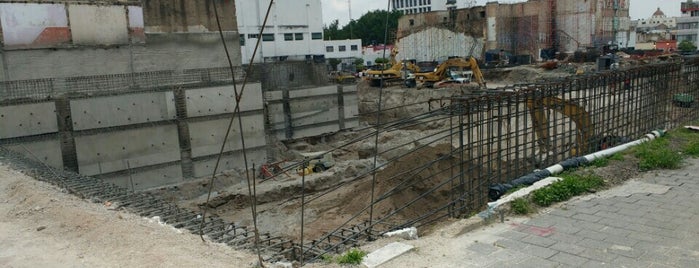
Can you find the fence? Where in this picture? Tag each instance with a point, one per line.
(494, 138)
(470, 142)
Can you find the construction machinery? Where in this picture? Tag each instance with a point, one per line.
(448, 68)
(399, 71)
(586, 141)
(315, 162)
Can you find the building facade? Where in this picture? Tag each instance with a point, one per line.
(688, 23)
(294, 30)
(538, 28)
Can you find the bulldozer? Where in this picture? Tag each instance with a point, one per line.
(396, 72)
(443, 71)
(315, 162)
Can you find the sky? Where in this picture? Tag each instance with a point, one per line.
(338, 9)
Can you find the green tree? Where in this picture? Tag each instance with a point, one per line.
(333, 31)
(687, 46)
(370, 27)
(358, 63)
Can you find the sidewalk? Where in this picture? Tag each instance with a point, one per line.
(651, 221)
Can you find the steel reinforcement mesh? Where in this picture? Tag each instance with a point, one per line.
(477, 140)
(497, 136)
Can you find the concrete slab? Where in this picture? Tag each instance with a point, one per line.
(27, 119)
(385, 254)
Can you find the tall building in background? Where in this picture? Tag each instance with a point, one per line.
(294, 30)
(688, 23)
(422, 6)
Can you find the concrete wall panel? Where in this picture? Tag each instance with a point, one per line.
(141, 147)
(33, 25)
(313, 92)
(148, 179)
(221, 100)
(47, 151)
(314, 131)
(27, 120)
(314, 111)
(88, 25)
(184, 51)
(122, 110)
(204, 167)
(206, 136)
(46, 63)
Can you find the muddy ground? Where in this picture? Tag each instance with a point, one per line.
(340, 195)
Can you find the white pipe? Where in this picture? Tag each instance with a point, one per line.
(557, 168)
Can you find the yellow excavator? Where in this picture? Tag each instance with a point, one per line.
(394, 73)
(443, 70)
(586, 141)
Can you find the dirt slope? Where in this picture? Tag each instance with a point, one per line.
(43, 227)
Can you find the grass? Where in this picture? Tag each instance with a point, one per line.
(657, 154)
(604, 161)
(571, 185)
(521, 206)
(692, 149)
(353, 256)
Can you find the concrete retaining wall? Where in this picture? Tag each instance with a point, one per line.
(306, 112)
(162, 137)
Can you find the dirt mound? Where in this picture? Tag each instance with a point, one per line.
(407, 191)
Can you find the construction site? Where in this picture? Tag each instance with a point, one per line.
(164, 121)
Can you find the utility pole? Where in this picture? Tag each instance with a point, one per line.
(349, 8)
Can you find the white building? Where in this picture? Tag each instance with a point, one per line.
(422, 6)
(343, 49)
(294, 30)
(688, 23)
(657, 20)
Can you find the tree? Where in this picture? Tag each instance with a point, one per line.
(359, 63)
(370, 27)
(687, 46)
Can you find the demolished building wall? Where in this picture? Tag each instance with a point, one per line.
(524, 28)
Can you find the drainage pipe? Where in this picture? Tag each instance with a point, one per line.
(497, 190)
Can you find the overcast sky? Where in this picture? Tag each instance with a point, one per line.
(338, 9)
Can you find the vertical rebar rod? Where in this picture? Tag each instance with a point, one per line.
(303, 204)
(128, 166)
(378, 128)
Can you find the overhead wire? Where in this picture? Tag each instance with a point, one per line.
(236, 114)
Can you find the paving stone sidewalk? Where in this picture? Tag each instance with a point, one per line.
(651, 221)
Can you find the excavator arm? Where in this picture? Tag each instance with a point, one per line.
(581, 118)
(440, 72)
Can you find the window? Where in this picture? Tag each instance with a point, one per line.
(342, 48)
(298, 36)
(353, 47)
(242, 40)
(429, 2)
(253, 36)
(267, 37)
(329, 49)
(288, 37)
(316, 36)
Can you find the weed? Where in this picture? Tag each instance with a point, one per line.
(520, 206)
(353, 256)
(616, 157)
(571, 185)
(600, 162)
(692, 149)
(656, 154)
(327, 258)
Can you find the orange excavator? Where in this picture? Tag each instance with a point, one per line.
(446, 68)
(585, 140)
(397, 71)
